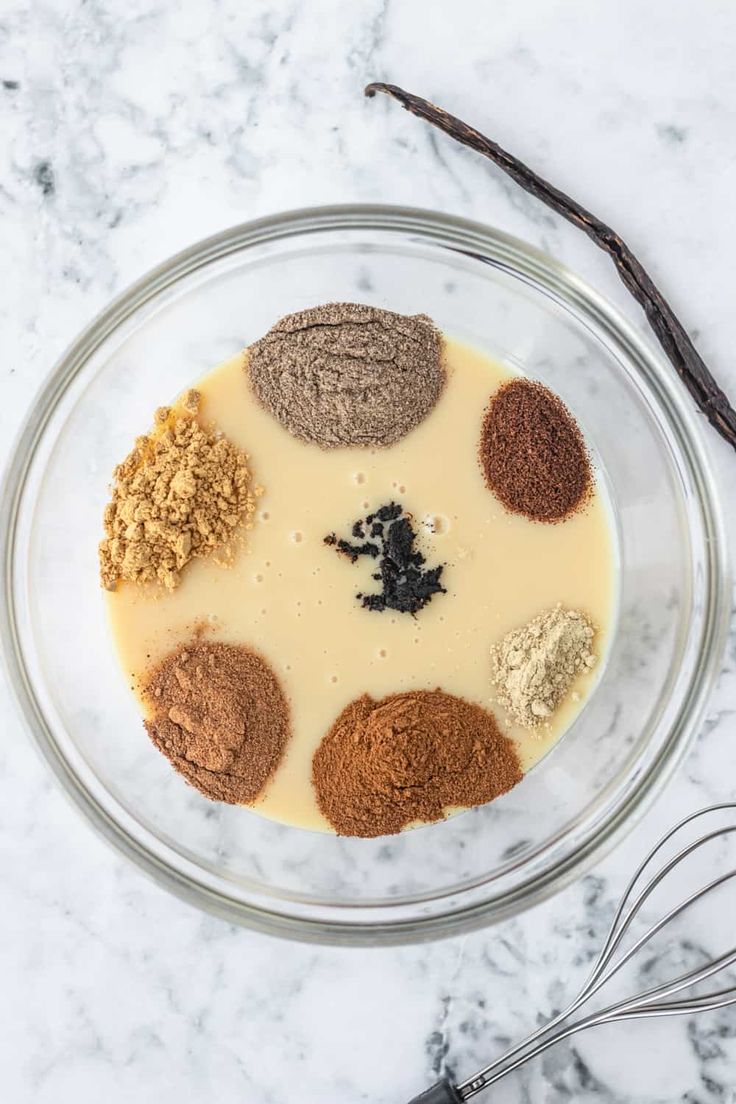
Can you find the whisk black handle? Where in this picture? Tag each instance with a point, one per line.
(444, 1092)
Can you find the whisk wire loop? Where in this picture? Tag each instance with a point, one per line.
(654, 1001)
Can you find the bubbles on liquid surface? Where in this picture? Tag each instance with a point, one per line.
(359, 477)
(436, 524)
(297, 537)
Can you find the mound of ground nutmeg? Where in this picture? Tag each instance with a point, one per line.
(346, 374)
(532, 453)
(409, 757)
(182, 492)
(219, 715)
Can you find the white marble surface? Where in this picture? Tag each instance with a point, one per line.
(129, 130)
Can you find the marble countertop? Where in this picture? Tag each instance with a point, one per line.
(131, 130)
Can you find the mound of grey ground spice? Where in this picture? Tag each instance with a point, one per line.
(535, 666)
(346, 374)
(387, 536)
(532, 453)
(182, 492)
(217, 712)
(409, 757)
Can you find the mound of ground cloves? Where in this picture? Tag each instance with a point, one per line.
(532, 453)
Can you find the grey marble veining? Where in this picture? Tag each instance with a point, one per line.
(130, 130)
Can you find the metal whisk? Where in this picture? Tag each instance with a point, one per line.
(656, 1001)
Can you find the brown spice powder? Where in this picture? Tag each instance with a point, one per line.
(182, 492)
(409, 757)
(346, 374)
(532, 453)
(220, 717)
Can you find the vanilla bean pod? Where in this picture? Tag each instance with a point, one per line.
(670, 332)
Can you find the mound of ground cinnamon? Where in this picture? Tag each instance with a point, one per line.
(409, 757)
(219, 715)
(532, 453)
(346, 374)
(182, 492)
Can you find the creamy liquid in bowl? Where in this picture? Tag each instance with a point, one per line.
(293, 599)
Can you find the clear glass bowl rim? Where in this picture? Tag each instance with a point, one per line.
(675, 416)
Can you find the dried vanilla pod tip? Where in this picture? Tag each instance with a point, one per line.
(348, 375)
(704, 389)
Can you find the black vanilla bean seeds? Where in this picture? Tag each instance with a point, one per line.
(387, 536)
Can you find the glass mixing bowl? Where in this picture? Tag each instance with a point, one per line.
(496, 293)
